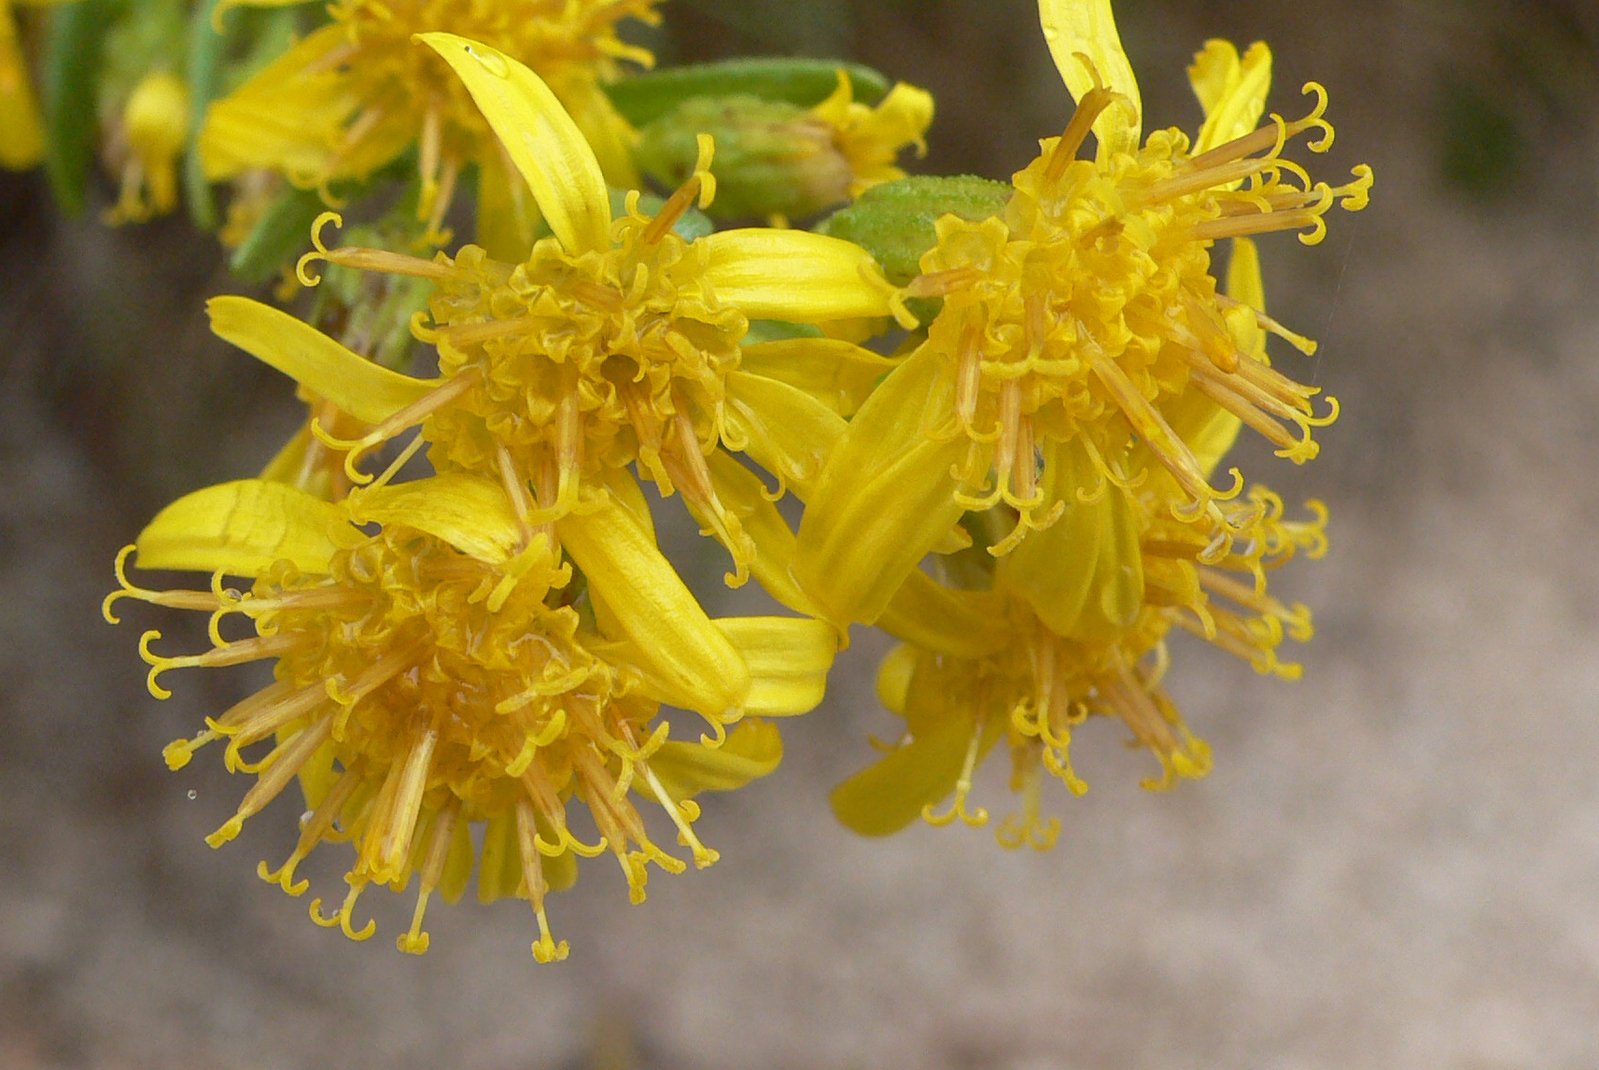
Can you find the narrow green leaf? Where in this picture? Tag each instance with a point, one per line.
(281, 234)
(644, 98)
(71, 85)
(205, 58)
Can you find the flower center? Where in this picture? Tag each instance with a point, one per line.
(584, 364)
(418, 690)
(1092, 301)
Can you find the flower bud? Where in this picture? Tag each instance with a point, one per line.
(151, 137)
(777, 158)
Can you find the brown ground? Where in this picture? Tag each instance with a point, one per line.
(1394, 863)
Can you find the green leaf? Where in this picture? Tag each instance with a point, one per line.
(646, 97)
(71, 86)
(281, 234)
(205, 58)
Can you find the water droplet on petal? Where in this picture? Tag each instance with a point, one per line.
(492, 62)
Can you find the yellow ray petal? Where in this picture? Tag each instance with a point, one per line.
(507, 216)
(21, 137)
(470, 513)
(359, 387)
(743, 494)
(890, 794)
(285, 465)
(752, 750)
(786, 431)
(499, 868)
(794, 275)
(624, 487)
(1084, 574)
(926, 614)
(243, 527)
(885, 497)
(788, 659)
(289, 116)
(1243, 277)
(541, 138)
(608, 134)
(680, 647)
(1087, 28)
(1232, 92)
(839, 374)
(894, 675)
(457, 863)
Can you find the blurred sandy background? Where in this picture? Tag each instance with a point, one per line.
(1394, 864)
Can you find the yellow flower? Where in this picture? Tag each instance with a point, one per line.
(1073, 623)
(869, 139)
(21, 136)
(1075, 319)
(1056, 641)
(440, 673)
(353, 95)
(155, 126)
(616, 342)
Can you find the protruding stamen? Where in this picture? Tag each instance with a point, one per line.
(363, 259)
(1094, 102)
(703, 855)
(203, 601)
(942, 283)
(1027, 825)
(386, 845)
(447, 392)
(346, 912)
(545, 948)
(313, 830)
(414, 941)
(281, 767)
(548, 803)
(238, 653)
(259, 716)
(699, 186)
(963, 786)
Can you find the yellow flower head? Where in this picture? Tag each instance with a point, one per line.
(1058, 640)
(1078, 317)
(614, 342)
(355, 94)
(154, 130)
(439, 674)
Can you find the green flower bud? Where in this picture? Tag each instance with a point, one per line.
(894, 221)
(772, 158)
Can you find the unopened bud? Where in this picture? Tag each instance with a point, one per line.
(894, 221)
(153, 131)
(772, 157)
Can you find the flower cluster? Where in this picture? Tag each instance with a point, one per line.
(482, 659)
(1065, 410)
